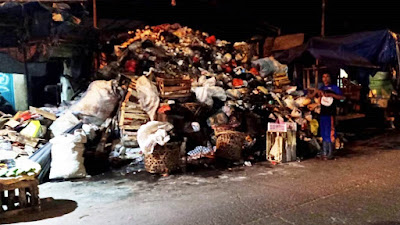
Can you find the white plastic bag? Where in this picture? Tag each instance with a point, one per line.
(67, 156)
(63, 123)
(148, 96)
(99, 101)
(153, 133)
(208, 90)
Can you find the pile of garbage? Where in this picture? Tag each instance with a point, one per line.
(25, 132)
(166, 84)
(57, 137)
(199, 84)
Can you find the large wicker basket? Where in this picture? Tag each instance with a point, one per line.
(230, 145)
(164, 159)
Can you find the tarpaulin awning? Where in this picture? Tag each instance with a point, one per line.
(365, 49)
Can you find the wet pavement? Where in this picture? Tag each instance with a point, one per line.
(360, 187)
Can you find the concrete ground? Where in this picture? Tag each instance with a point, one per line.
(360, 187)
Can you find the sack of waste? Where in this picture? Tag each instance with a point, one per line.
(99, 101)
(67, 156)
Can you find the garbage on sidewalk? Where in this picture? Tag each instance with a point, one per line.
(181, 76)
(177, 96)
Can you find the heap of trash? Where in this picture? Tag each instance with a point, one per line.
(173, 96)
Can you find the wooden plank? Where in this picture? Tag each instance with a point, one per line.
(398, 61)
(122, 115)
(35, 195)
(288, 41)
(130, 127)
(176, 88)
(11, 184)
(1, 201)
(268, 46)
(136, 117)
(135, 111)
(172, 95)
(350, 117)
(43, 113)
(315, 70)
(10, 200)
(22, 197)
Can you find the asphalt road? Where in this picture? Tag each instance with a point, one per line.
(360, 187)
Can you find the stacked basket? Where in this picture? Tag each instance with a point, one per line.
(230, 144)
(164, 159)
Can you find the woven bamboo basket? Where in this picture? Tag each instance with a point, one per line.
(164, 159)
(230, 145)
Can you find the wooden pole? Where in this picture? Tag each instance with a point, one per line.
(316, 73)
(94, 14)
(398, 62)
(323, 18)
(95, 56)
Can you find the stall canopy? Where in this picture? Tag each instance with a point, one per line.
(366, 49)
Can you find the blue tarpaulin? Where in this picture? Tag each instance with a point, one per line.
(365, 49)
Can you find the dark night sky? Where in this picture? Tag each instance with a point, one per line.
(238, 20)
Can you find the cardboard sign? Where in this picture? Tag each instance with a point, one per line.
(277, 127)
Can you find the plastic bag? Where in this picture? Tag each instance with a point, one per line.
(269, 66)
(206, 94)
(67, 156)
(148, 96)
(99, 101)
(153, 133)
(289, 102)
(314, 125)
(63, 123)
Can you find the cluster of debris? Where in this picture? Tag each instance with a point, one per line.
(203, 87)
(173, 92)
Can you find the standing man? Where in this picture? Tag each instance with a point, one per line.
(330, 94)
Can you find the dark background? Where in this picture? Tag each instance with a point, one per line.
(239, 20)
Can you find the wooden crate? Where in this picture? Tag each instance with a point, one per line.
(287, 146)
(174, 87)
(271, 141)
(18, 195)
(131, 117)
